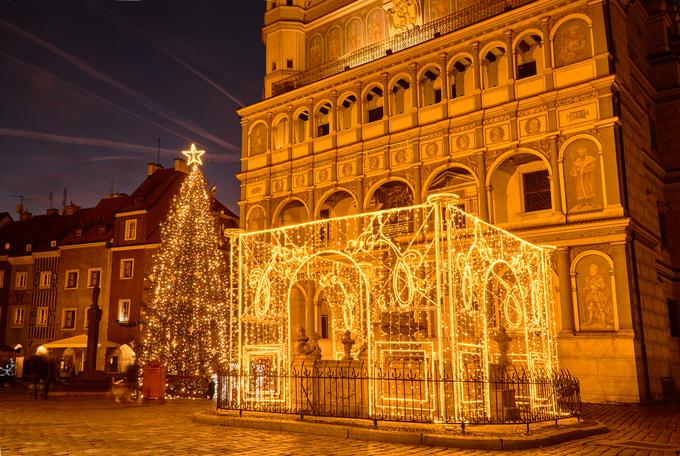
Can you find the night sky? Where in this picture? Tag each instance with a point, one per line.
(88, 87)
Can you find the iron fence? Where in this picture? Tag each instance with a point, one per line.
(462, 18)
(403, 392)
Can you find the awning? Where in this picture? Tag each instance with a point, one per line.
(79, 341)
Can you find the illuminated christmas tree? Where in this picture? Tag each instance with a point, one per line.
(186, 313)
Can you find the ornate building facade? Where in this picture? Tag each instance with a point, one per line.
(553, 119)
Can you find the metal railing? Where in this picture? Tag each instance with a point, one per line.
(460, 19)
(403, 392)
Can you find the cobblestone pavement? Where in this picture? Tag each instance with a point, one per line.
(94, 426)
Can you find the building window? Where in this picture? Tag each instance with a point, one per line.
(273, 66)
(127, 267)
(41, 316)
(71, 279)
(21, 280)
(29, 247)
(673, 317)
(101, 229)
(2, 280)
(289, 63)
(536, 187)
(131, 230)
(17, 317)
(94, 277)
(323, 120)
(324, 326)
(69, 319)
(374, 104)
(86, 320)
(123, 310)
(45, 277)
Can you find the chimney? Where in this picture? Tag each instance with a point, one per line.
(71, 209)
(152, 168)
(181, 165)
(25, 215)
(52, 211)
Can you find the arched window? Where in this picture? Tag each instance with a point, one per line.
(431, 87)
(301, 127)
(401, 97)
(529, 56)
(323, 120)
(347, 112)
(495, 68)
(281, 133)
(521, 185)
(462, 79)
(374, 104)
(293, 213)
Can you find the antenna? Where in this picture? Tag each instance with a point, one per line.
(158, 152)
(113, 180)
(22, 200)
(63, 201)
(51, 200)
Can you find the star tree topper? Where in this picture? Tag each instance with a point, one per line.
(193, 155)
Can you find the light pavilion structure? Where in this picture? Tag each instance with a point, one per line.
(427, 289)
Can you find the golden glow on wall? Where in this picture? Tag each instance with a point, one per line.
(427, 286)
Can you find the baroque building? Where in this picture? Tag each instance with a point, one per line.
(552, 119)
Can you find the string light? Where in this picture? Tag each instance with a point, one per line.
(428, 286)
(187, 316)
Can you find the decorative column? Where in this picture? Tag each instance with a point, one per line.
(385, 79)
(289, 111)
(444, 75)
(413, 71)
(361, 116)
(481, 187)
(245, 146)
(312, 119)
(564, 277)
(547, 53)
(556, 178)
(477, 73)
(94, 316)
(511, 64)
(270, 134)
(334, 118)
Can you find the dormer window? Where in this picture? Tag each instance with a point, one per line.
(131, 230)
(29, 247)
(101, 229)
(7, 245)
(79, 233)
(53, 243)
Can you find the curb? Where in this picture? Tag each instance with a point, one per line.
(404, 437)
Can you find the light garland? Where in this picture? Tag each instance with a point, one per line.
(187, 315)
(426, 285)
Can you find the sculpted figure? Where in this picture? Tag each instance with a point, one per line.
(404, 13)
(301, 340)
(347, 343)
(583, 172)
(315, 51)
(596, 295)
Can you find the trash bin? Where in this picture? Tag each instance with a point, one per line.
(153, 380)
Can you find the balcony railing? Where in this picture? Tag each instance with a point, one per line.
(447, 24)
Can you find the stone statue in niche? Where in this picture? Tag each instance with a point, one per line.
(258, 140)
(572, 42)
(315, 58)
(440, 8)
(308, 346)
(593, 285)
(582, 176)
(376, 26)
(404, 14)
(354, 35)
(334, 44)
